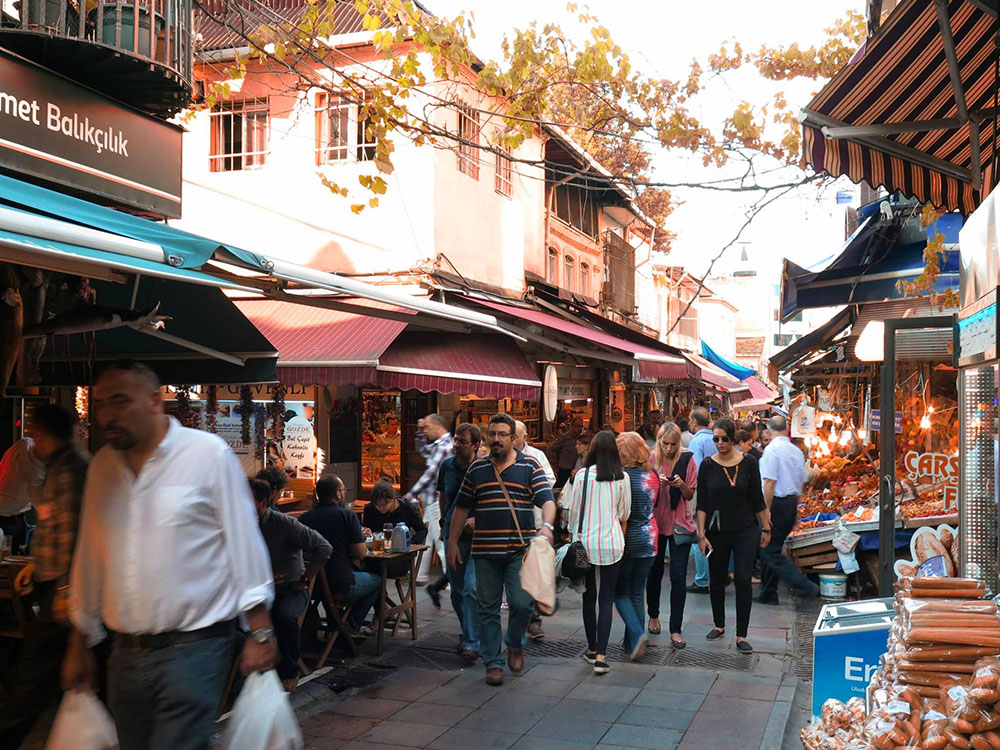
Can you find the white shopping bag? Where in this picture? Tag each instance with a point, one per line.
(262, 717)
(82, 723)
(538, 574)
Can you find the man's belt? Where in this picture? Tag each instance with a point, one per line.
(786, 497)
(157, 641)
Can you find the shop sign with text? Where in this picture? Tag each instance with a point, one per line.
(57, 130)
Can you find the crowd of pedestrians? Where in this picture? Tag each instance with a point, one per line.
(178, 568)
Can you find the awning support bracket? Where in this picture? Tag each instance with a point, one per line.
(958, 88)
(215, 353)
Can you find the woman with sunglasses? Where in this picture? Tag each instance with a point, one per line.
(730, 504)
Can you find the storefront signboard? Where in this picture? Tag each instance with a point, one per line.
(937, 467)
(876, 421)
(59, 131)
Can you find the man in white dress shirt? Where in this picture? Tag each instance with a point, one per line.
(169, 555)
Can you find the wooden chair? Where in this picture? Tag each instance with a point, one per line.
(24, 615)
(406, 590)
(302, 618)
(335, 623)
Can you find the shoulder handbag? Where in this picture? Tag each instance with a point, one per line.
(681, 534)
(577, 562)
(537, 566)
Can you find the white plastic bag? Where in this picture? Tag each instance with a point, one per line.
(538, 574)
(82, 723)
(262, 717)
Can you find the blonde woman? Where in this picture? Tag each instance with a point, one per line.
(677, 472)
(641, 538)
(600, 505)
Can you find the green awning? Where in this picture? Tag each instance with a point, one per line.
(201, 316)
(181, 249)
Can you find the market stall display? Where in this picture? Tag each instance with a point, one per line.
(938, 684)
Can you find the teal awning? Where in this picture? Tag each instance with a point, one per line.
(736, 370)
(181, 249)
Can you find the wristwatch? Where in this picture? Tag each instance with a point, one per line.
(549, 526)
(765, 531)
(261, 635)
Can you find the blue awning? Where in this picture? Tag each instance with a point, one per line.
(868, 269)
(182, 249)
(736, 370)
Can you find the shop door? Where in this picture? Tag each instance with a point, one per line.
(917, 422)
(978, 474)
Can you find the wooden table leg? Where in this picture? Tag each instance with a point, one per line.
(380, 638)
(412, 611)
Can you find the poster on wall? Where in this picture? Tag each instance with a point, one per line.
(933, 552)
(296, 452)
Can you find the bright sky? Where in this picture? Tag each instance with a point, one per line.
(663, 38)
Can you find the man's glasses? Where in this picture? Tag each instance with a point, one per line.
(722, 439)
(498, 435)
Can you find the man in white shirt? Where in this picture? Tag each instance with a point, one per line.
(21, 477)
(169, 555)
(534, 631)
(782, 470)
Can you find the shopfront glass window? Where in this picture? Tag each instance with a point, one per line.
(381, 438)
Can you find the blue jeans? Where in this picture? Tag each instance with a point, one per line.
(465, 600)
(700, 567)
(364, 595)
(168, 699)
(628, 597)
(493, 576)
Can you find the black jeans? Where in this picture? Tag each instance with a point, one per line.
(774, 565)
(597, 615)
(562, 476)
(679, 556)
(742, 545)
(289, 603)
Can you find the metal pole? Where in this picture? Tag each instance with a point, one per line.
(887, 464)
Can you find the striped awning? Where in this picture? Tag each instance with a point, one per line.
(913, 109)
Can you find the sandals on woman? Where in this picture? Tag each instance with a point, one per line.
(590, 657)
(601, 665)
(677, 642)
(657, 630)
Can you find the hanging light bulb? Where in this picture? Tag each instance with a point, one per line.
(930, 409)
(833, 434)
(925, 422)
(845, 438)
(862, 434)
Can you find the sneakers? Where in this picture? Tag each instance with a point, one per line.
(590, 657)
(640, 649)
(694, 589)
(601, 665)
(535, 630)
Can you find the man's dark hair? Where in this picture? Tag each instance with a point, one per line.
(699, 415)
(327, 488)
(603, 454)
(130, 365)
(275, 477)
(260, 490)
(471, 430)
(503, 418)
(382, 489)
(54, 420)
(742, 435)
(727, 426)
(682, 422)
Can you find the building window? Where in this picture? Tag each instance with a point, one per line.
(552, 269)
(468, 147)
(342, 133)
(783, 339)
(239, 135)
(569, 272)
(576, 206)
(502, 178)
(584, 279)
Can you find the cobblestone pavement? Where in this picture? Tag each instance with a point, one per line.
(418, 695)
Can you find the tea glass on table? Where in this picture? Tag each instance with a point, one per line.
(378, 544)
(6, 546)
(387, 532)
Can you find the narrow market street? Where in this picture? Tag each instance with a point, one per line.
(707, 696)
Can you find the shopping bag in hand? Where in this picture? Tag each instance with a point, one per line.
(262, 717)
(82, 723)
(538, 574)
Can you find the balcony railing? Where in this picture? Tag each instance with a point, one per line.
(138, 51)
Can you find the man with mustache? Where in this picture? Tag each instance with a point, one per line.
(169, 555)
(502, 490)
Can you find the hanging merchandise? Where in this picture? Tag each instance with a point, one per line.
(277, 411)
(824, 400)
(550, 393)
(212, 409)
(245, 409)
(803, 421)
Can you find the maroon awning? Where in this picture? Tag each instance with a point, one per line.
(476, 364)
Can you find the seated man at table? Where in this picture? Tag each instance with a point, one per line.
(342, 529)
(385, 508)
(287, 539)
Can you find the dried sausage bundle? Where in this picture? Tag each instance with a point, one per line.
(897, 722)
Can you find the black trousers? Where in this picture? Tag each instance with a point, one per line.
(774, 565)
(742, 546)
(599, 609)
(562, 476)
(679, 555)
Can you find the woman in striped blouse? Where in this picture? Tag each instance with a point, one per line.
(600, 506)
